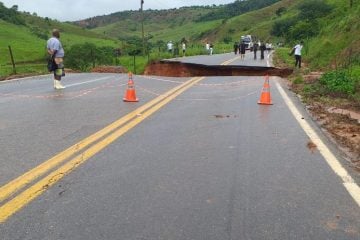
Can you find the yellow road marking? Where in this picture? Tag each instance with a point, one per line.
(18, 183)
(348, 181)
(230, 61)
(18, 202)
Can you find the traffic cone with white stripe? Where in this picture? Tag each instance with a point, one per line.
(265, 98)
(130, 94)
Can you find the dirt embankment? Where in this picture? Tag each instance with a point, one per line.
(339, 118)
(179, 69)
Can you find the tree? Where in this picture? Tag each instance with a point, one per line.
(280, 11)
(15, 8)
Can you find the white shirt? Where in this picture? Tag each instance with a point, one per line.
(207, 46)
(169, 46)
(298, 48)
(183, 46)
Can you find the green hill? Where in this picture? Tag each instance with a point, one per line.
(27, 34)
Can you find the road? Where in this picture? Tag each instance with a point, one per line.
(229, 59)
(195, 158)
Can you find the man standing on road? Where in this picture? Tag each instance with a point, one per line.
(207, 47)
(183, 46)
(297, 51)
(236, 48)
(242, 49)
(55, 49)
(256, 46)
(262, 50)
(211, 49)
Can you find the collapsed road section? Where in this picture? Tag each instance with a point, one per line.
(181, 69)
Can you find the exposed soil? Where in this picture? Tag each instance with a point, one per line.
(340, 121)
(341, 128)
(179, 69)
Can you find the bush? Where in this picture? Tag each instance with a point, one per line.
(340, 82)
(281, 28)
(303, 30)
(227, 40)
(84, 56)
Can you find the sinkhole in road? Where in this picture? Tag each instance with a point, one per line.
(181, 69)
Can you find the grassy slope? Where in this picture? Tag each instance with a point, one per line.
(340, 33)
(155, 23)
(25, 45)
(28, 47)
(257, 23)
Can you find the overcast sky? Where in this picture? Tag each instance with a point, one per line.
(70, 10)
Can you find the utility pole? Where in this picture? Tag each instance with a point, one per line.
(142, 25)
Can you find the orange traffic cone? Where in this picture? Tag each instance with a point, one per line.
(265, 98)
(130, 95)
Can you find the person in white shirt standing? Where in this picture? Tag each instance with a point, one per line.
(207, 47)
(170, 46)
(183, 46)
(297, 52)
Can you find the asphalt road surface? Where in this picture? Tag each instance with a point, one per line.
(230, 59)
(195, 158)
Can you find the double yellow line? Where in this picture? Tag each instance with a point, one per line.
(19, 192)
(230, 61)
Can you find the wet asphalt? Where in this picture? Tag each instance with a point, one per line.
(211, 164)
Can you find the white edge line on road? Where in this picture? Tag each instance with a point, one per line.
(90, 81)
(25, 78)
(348, 182)
(268, 59)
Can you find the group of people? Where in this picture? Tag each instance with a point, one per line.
(259, 46)
(241, 48)
(170, 48)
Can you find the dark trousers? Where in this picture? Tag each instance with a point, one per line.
(255, 54)
(298, 60)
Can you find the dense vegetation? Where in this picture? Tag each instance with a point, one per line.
(11, 15)
(304, 25)
(237, 8)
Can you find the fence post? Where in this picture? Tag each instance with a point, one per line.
(134, 65)
(92, 57)
(12, 60)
